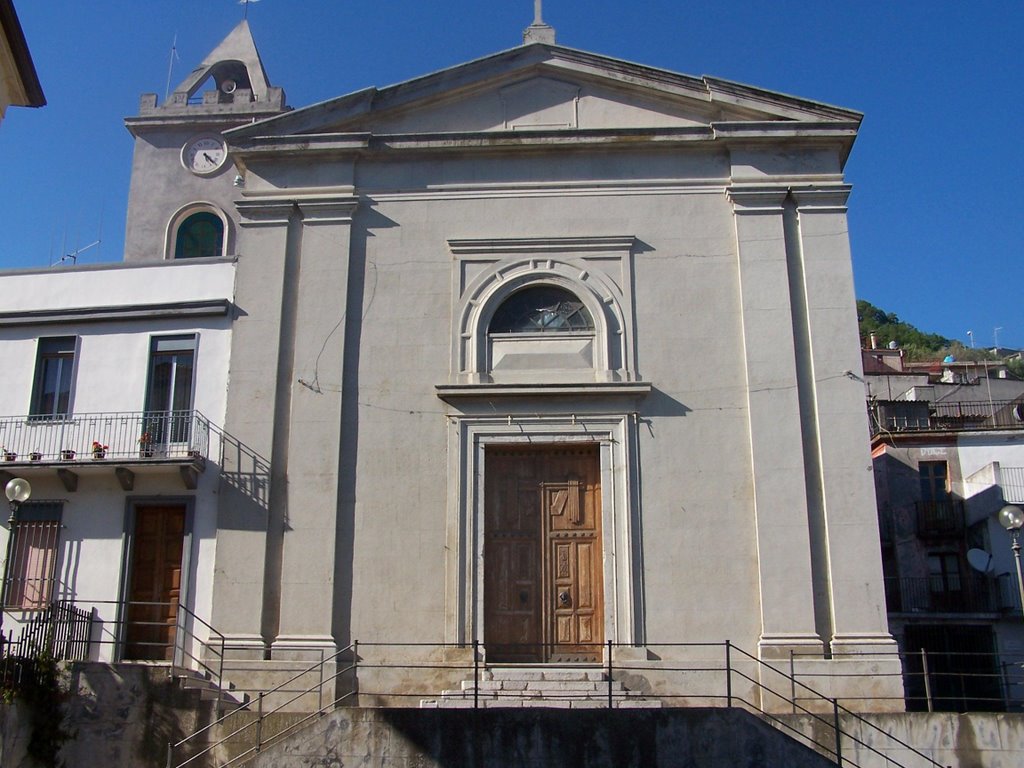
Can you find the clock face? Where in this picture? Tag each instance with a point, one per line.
(204, 155)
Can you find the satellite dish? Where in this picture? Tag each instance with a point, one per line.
(980, 560)
(893, 345)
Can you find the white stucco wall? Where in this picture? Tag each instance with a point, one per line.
(110, 375)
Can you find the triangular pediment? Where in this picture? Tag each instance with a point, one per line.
(546, 87)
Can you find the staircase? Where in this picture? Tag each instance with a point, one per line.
(541, 687)
(223, 696)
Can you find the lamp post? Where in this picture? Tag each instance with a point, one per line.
(1012, 519)
(18, 492)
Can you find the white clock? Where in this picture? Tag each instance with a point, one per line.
(204, 155)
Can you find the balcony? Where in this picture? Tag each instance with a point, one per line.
(887, 416)
(941, 594)
(91, 442)
(938, 519)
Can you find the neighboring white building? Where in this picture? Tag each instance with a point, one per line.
(115, 387)
(547, 351)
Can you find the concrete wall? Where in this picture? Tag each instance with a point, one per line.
(548, 738)
(971, 740)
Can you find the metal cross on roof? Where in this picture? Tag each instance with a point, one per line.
(245, 3)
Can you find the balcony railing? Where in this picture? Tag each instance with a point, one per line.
(921, 416)
(941, 594)
(81, 437)
(940, 518)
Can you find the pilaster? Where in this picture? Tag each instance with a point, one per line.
(847, 491)
(244, 517)
(776, 451)
(314, 430)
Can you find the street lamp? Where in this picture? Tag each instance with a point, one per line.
(1012, 519)
(18, 492)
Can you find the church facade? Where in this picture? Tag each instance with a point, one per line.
(547, 351)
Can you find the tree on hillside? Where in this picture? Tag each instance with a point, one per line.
(888, 327)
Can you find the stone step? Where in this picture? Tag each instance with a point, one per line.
(540, 687)
(583, 703)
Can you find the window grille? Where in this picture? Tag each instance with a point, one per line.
(32, 566)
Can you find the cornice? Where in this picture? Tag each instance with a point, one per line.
(519, 245)
(757, 199)
(78, 315)
(265, 212)
(830, 199)
(327, 210)
(632, 389)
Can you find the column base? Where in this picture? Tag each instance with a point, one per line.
(244, 646)
(864, 644)
(303, 647)
(781, 645)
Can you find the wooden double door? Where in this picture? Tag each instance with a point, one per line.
(543, 578)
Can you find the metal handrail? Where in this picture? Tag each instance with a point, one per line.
(262, 715)
(837, 710)
(731, 670)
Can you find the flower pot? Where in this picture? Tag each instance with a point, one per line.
(10, 456)
(145, 453)
(67, 455)
(99, 455)
(35, 456)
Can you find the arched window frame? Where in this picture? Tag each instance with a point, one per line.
(612, 334)
(183, 214)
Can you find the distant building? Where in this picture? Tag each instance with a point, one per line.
(948, 453)
(19, 84)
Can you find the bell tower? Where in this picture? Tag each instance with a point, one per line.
(183, 183)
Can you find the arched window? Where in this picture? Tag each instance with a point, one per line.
(199, 235)
(541, 309)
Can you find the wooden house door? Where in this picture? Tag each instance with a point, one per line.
(155, 583)
(543, 577)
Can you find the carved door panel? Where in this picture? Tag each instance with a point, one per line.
(155, 583)
(571, 510)
(542, 555)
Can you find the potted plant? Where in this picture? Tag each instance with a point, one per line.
(68, 455)
(9, 455)
(99, 450)
(146, 445)
(35, 456)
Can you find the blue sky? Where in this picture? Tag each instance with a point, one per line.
(936, 224)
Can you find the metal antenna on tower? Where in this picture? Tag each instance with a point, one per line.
(170, 65)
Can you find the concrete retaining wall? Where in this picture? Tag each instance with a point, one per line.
(539, 738)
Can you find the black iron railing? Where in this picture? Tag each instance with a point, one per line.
(59, 632)
(945, 593)
(940, 518)
(925, 416)
(731, 678)
(104, 436)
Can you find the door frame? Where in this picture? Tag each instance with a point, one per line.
(616, 438)
(132, 503)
